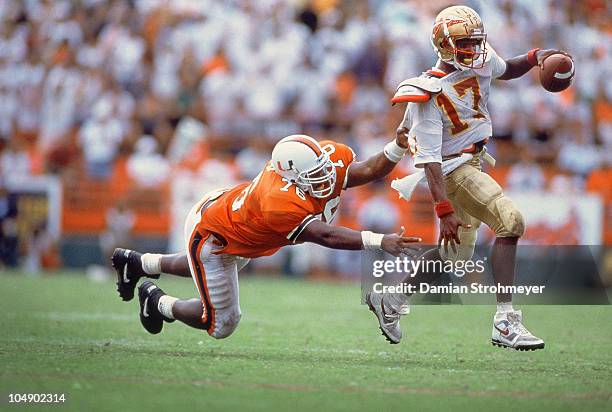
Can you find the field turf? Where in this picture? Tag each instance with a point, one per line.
(300, 346)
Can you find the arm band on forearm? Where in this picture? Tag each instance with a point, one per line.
(444, 208)
(531, 56)
(394, 152)
(371, 240)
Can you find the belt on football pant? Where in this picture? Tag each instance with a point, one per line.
(477, 148)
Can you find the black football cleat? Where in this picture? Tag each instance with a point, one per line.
(149, 294)
(128, 266)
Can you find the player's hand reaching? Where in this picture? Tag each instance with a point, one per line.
(541, 55)
(397, 244)
(401, 137)
(449, 231)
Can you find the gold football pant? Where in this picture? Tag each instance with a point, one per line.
(476, 198)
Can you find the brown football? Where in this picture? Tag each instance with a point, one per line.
(557, 72)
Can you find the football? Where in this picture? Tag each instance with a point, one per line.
(557, 72)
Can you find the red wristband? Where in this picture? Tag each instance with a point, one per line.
(531, 56)
(444, 208)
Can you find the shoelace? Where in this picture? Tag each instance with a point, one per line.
(517, 325)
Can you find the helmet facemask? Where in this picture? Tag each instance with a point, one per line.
(319, 181)
(469, 52)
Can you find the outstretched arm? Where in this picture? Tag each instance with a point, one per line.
(381, 164)
(338, 237)
(449, 222)
(519, 65)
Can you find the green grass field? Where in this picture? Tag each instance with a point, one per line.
(300, 345)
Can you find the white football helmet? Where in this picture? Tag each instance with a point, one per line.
(301, 160)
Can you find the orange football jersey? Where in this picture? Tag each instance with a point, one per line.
(257, 219)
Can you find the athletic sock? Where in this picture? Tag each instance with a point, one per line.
(504, 307)
(165, 305)
(151, 263)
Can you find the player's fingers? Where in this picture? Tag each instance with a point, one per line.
(546, 55)
(401, 130)
(453, 246)
(409, 245)
(411, 239)
(456, 237)
(401, 232)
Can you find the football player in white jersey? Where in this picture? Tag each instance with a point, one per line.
(447, 116)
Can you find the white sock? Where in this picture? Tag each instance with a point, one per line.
(165, 305)
(151, 263)
(504, 307)
(395, 300)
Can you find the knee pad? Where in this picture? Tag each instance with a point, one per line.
(510, 218)
(226, 325)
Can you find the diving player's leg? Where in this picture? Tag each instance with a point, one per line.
(216, 278)
(131, 265)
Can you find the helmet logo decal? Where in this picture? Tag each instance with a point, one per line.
(280, 166)
(456, 21)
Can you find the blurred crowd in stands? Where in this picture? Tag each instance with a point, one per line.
(86, 83)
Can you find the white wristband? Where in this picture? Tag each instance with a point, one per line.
(371, 240)
(394, 152)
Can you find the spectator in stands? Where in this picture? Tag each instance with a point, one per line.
(146, 166)
(378, 213)
(120, 221)
(100, 137)
(103, 73)
(14, 160)
(526, 175)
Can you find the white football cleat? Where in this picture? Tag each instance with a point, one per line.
(509, 332)
(388, 317)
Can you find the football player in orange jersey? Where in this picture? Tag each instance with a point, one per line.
(293, 200)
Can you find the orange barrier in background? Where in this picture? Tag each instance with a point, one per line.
(87, 201)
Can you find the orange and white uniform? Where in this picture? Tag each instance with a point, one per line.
(251, 220)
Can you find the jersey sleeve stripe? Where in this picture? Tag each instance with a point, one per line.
(295, 233)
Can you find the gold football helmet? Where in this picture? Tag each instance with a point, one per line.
(459, 38)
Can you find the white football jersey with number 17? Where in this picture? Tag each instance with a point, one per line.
(455, 118)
